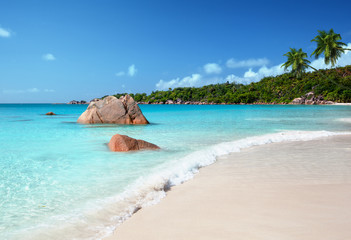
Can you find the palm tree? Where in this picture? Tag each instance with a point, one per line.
(298, 62)
(329, 44)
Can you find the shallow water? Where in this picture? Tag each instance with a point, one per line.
(58, 179)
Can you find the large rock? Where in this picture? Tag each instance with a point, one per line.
(112, 110)
(123, 143)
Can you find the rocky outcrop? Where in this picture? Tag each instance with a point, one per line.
(50, 113)
(123, 143)
(77, 102)
(297, 101)
(112, 110)
(311, 99)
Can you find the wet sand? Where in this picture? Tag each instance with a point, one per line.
(283, 191)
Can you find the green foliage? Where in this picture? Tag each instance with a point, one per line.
(280, 89)
(297, 61)
(328, 44)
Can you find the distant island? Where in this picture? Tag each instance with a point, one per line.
(310, 88)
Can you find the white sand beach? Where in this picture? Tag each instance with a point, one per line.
(295, 190)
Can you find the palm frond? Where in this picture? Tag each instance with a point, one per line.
(329, 45)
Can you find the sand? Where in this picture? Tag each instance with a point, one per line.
(283, 191)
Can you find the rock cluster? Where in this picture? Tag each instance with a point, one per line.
(181, 102)
(77, 102)
(112, 110)
(311, 99)
(123, 143)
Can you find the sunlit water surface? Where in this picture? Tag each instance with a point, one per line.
(58, 180)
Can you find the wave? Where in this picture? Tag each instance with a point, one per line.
(347, 120)
(99, 219)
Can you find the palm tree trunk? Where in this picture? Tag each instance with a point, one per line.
(312, 68)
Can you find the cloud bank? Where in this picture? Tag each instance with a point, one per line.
(189, 81)
(251, 75)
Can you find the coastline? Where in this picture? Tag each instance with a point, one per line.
(253, 195)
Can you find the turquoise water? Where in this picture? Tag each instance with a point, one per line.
(58, 180)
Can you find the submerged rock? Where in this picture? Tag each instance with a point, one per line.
(123, 143)
(50, 113)
(112, 110)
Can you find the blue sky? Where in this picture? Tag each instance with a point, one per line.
(57, 51)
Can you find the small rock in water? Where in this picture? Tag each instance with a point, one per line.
(50, 113)
(123, 143)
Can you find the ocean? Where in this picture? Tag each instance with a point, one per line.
(58, 179)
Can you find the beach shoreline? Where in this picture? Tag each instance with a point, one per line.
(253, 194)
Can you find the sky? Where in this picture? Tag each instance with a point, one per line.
(58, 51)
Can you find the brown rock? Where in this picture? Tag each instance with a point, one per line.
(310, 102)
(123, 143)
(50, 113)
(309, 95)
(112, 110)
(298, 101)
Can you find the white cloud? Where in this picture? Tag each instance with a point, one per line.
(121, 73)
(233, 78)
(49, 57)
(212, 68)
(250, 74)
(132, 70)
(189, 81)
(232, 63)
(4, 33)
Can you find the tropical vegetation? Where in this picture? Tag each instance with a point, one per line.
(297, 61)
(280, 89)
(329, 84)
(329, 44)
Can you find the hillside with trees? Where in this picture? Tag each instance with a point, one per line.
(328, 85)
(280, 89)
